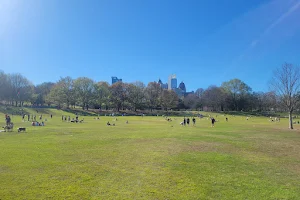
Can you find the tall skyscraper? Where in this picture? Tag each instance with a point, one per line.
(182, 86)
(115, 79)
(172, 83)
(163, 85)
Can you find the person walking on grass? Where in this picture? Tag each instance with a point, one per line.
(194, 121)
(188, 121)
(213, 122)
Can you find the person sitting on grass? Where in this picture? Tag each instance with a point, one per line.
(108, 124)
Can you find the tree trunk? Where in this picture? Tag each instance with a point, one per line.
(291, 120)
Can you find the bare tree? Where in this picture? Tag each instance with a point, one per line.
(136, 95)
(21, 88)
(118, 94)
(213, 98)
(286, 83)
(153, 93)
(169, 99)
(4, 86)
(190, 101)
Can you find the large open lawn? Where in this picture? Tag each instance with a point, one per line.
(150, 158)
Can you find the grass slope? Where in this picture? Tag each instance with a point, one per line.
(150, 158)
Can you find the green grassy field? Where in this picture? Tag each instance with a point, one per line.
(150, 158)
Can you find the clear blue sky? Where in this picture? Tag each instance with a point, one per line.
(204, 42)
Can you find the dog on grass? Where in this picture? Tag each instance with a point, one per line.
(21, 129)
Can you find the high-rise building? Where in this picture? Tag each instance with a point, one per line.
(182, 86)
(115, 79)
(163, 85)
(172, 83)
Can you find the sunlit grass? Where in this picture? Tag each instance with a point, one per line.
(150, 158)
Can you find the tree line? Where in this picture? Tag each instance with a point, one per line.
(234, 94)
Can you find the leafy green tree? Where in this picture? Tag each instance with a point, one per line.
(62, 93)
(102, 94)
(84, 89)
(40, 92)
(237, 90)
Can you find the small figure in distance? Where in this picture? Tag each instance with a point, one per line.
(226, 119)
(213, 122)
(127, 122)
(194, 121)
(188, 121)
(108, 124)
(184, 121)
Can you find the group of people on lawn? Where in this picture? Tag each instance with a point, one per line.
(186, 121)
